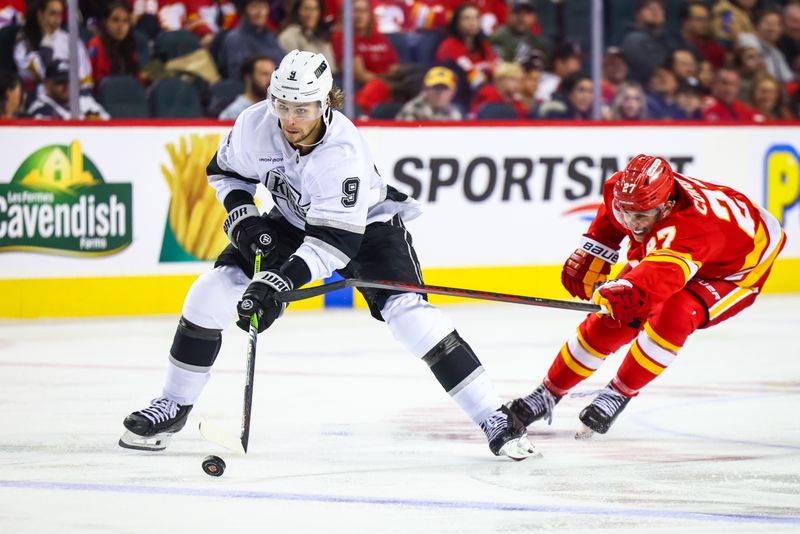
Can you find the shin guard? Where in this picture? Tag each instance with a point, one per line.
(461, 374)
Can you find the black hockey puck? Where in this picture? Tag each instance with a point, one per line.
(213, 466)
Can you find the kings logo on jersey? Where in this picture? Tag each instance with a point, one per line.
(278, 184)
(58, 202)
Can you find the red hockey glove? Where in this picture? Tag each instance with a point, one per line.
(588, 266)
(625, 303)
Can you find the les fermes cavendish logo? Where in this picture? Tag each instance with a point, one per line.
(58, 202)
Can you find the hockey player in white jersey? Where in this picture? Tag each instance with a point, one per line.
(333, 212)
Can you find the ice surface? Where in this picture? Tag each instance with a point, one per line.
(350, 434)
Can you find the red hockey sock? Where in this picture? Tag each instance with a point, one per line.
(658, 343)
(583, 354)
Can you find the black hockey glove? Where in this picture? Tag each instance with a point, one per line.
(259, 299)
(248, 231)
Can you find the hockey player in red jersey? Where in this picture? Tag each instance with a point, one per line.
(699, 254)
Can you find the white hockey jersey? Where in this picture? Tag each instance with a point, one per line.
(332, 193)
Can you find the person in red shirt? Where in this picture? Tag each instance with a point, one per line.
(467, 47)
(724, 104)
(695, 19)
(113, 49)
(699, 254)
(506, 88)
(374, 54)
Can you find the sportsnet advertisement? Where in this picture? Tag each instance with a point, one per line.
(109, 206)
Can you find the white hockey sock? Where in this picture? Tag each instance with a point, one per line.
(478, 398)
(184, 386)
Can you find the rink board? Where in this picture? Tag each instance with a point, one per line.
(116, 219)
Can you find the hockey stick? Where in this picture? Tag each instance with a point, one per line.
(306, 293)
(211, 431)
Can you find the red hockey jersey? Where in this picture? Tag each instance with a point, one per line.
(713, 232)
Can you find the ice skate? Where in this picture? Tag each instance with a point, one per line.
(151, 429)
(506, 435)
(537, 405)
(601, 413)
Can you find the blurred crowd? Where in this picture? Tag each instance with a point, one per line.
(415, 60)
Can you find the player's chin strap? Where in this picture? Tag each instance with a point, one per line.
(326, 120)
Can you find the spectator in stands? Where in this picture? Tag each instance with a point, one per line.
(731, 18)
(661, 95)
(514, 40)
(43, 40)
(689, 99)
(572, 101)
(12, 12)
(506, 88)
(392, 16)
(615, 71)
(467, 47)
(250, 38)
(12, 97)
(566, 59)
(630, 102)
(749, 62)
(373, 53)
(794, 100)
(768, 31)
(724, 103)
(493, 14)
(305, 29)
(435, 101)
(695, 20)
(399, 85)
(113, 49)
(683, 64)
(766, 98)
(705, 75)
(256, 74)
(53, 101)
(532, 66)
(650, 42)
(789, 42)
(204, 18)
(432, 14)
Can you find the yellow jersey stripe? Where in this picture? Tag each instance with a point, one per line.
(594, 352)
(680, 262)
(660, 340)
(732, 298)
(576, 367)
(644, 361)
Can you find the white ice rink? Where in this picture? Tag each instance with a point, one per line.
(352, 435)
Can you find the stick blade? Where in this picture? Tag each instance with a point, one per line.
(216, 434)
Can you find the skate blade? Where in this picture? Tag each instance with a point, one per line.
(584, 433)
(519, 449)
(216, 434)
(159, 442)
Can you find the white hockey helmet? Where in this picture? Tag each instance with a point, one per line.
(302, 77)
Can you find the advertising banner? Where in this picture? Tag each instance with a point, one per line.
(99, 205)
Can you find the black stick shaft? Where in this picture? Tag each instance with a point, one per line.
(252, 337)
(301, 294)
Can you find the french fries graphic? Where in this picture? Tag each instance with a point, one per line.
(195, 215)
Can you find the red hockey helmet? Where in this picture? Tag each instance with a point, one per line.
(646, 183)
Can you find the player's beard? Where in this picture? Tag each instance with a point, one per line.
(303, 135)
(259, 92)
